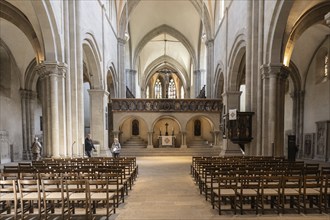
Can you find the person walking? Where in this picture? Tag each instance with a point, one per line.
(89, 146)
(115, 148)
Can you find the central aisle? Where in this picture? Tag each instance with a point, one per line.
(164, 190)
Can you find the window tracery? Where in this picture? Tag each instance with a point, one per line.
(158, 89)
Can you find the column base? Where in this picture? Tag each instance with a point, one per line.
(150, 146)
(183, 146)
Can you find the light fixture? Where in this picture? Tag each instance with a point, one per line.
(126, 32)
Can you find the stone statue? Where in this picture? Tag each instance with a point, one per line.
(36, 149)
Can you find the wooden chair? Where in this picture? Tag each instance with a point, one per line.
(53, 196)
(291, 189)
(30, 196)
(312, 192)
(326, 192)
(115, 186)
(270, 192)
(248, 192)
(77, 195)
(225, 192)
(8, 197)
(100, 196)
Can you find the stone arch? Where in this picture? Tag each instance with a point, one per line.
(275, 33)
(219, 81)
(167, 30)
(125, 127)
(92, 59)
(309, 18)
(16, 17)
(51, 35)
(158, 64)
(205, 137)
(197, 4)
(112, 80)
(236, 56)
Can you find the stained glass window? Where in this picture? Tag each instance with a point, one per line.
(158, 89)
(171, 90)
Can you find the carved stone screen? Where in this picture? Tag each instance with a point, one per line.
(322, 149)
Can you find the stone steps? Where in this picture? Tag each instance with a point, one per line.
(134, 142)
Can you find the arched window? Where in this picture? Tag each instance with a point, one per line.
(171, 90)
(182, 92)
(135, 127)
(197, 128)
(158, 89)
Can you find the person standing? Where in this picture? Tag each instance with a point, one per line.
(89, 146)
(36, 149)
(115, 148)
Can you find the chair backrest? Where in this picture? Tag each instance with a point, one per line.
(8, 187)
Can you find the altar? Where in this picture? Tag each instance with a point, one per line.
(166, 141)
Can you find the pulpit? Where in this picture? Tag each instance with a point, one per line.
(239, 125)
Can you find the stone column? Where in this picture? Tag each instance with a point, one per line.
(197, 83)
(121, 69)
(216, 137)
(150, 145)
(183, 139)
(52, 76)
(210, 68)
(273, 77)
(231, 100)
(28, 100)
(130, 80)
(98, 105)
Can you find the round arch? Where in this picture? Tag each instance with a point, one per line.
(16, 17)
(236, 56)
(92, 59)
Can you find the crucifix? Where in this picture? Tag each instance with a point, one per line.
(166, 133)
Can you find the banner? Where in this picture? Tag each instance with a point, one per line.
(167, 140)
(232, 114)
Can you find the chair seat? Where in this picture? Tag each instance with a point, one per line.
(311, 191)
(249, 192)
(32, 196)
(101, 196)
(289, 192)
(227, 192)
(77, 196)
(55, 196)
(7, 197)
(270, 192)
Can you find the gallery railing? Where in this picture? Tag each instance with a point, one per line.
(167, 105)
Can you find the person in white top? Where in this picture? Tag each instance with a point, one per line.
(115, 148)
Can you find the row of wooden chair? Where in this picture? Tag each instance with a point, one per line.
(206, 171)
(119, 176)
(271, 193)
(48, 195)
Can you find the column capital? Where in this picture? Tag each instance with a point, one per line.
(277, 70)
(121, 41)
(98, 92)
(46, 69)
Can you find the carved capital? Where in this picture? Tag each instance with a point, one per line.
(274, 71)
(47, 69)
